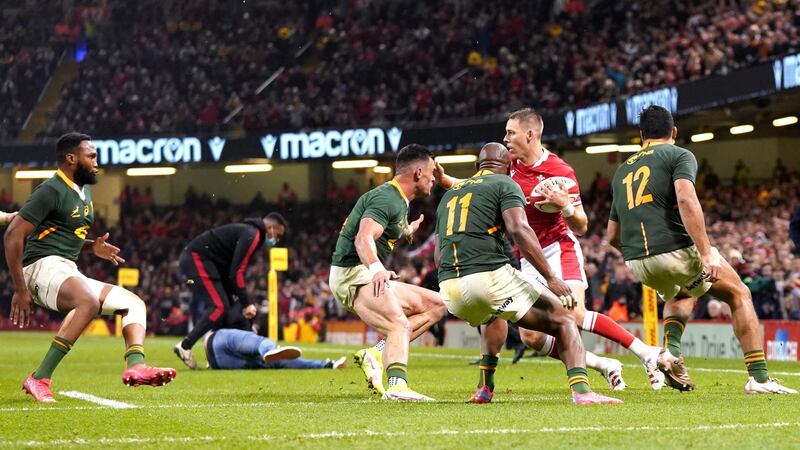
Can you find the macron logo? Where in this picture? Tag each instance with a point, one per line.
(268, 144)
(569, 117)
(394, 134)
(331, 144)
(217, 144)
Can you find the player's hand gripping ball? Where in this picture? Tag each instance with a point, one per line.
(539, 194)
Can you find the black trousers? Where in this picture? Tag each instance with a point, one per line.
(206, 285)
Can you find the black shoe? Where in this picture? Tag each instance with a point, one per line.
(519, 352)
(475, 363)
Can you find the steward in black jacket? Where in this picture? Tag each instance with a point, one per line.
(214, 265)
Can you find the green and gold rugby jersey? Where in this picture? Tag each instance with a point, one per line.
(469, 224)
(644, 201)
(386, 205)
(62, 219)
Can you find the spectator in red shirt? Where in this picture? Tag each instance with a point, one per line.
(287, 196)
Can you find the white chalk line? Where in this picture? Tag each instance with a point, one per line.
(372, 400)
(544, 360)
(99, 400)
(391, 434)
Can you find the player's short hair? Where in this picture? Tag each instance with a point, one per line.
(655, 122)
(527, 115)
(410, 154)
(68, 143)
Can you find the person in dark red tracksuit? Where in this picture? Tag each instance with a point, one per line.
(214, 265)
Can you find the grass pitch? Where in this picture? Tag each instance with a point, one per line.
(298, 409)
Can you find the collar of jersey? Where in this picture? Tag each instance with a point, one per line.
(399, 189)
(538, 162)
(543, 158)
(481, 173)
(71, 184)
(651, 145)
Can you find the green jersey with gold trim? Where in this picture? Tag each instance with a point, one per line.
(469, 224)
(644, 201)
(388, 206)
(62, 218)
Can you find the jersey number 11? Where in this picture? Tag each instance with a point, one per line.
(451, 213)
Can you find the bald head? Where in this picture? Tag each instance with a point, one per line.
(495, 158)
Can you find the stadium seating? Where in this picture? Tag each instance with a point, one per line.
(29, 51)
(183, 69)
(154, 69)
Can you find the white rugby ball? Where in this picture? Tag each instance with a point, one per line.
(537, 194)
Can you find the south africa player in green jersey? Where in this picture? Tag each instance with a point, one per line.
(656, 221)
(479, 285)
(42, 244)
(358, 279)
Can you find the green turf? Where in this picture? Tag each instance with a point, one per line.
(282, 408)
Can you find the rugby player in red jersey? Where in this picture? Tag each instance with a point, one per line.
(555, 213)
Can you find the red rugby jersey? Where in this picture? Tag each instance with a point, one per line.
(549, 227)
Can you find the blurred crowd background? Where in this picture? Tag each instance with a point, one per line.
(747, 221)
(177, 66)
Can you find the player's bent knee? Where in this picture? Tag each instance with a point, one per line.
(578, 314)
(125, 302)
(439, 311)
(743, 295)
(401, 325)
(434, 303)
(532, 339)
(560, 318)
(137, 314)
(737, 294)
(90, 303)
(744, 292)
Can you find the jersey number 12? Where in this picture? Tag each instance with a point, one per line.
(451, 213)
(641, 198)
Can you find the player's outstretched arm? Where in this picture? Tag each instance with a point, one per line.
(368, 232)
(692, 216)
(413, 227)
(14, 241)
(444, 180)
(103, 249)
(517, 226)
(6, 217)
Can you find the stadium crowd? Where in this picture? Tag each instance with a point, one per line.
(29, 51)
(186, 73)
(152, 237)
(184, 66)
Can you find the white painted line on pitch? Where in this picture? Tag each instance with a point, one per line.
(373, 400)
(99, 400)
(540, 360)
(113, 441)
(201, 405)
(384, 434)
(639, 428)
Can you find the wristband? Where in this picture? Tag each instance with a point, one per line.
(568, 211)
(376, 267)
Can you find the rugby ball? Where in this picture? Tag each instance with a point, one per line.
(537, 194)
